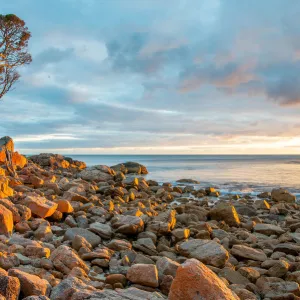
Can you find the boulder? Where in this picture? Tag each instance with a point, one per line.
(245, 252)
(233, 276)
(268, 229)
(6, 142)
(91, 237)
(9, 286)
(19, 160)
(184, 180)
(143, 274)
(207, 251)
(130, 225)
(288, 248)
(164, 223)
(2, 172)
(68, 287)
(64, 206)
(166, 266)
(97, 173)
(225, 212)
(40, 206)
(31, 285)
(10, 206)
(131, 168)
(5, 190)
(283, 195)
(6, 221)
(103, 230)
(50, 160)
(65, 259)
(195, 281)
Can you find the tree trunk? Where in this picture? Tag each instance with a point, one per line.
(9, 163)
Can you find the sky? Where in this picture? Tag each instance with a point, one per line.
(157, 77)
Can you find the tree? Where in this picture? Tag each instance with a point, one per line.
(14, 37)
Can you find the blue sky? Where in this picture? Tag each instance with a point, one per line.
(139, 76)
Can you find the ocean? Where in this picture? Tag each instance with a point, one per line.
(234, 174)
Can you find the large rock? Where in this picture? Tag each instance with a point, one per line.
(130, 225)
(164, 223)
(51, 160)
(31, 285)
(143, 274)
(166, 266)
(40, 206)
(268, 229)
(91, 237)
(248, 253)
(65, 259)
(97, 173)
(6, 142)
(195, 281)
(19, 160)
(103, 230)
(207, 251)
(68, 287)
(9, 286)
(225, 212)
(5, 190)
(10, 206)
(130, 168)
(6, 221)
(281, 194)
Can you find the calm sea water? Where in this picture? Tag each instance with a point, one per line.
(230, 173)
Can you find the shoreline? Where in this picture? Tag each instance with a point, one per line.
(68, 231)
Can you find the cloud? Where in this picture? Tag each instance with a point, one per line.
(144, 74)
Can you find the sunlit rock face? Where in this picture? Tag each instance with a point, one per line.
(7, 144)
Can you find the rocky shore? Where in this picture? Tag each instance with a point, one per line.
(71, 232)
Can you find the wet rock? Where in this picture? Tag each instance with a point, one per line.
(184, 180)
(207, 251)
(194, 280)
(143, 274)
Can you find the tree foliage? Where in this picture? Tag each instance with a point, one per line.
(14, 37)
